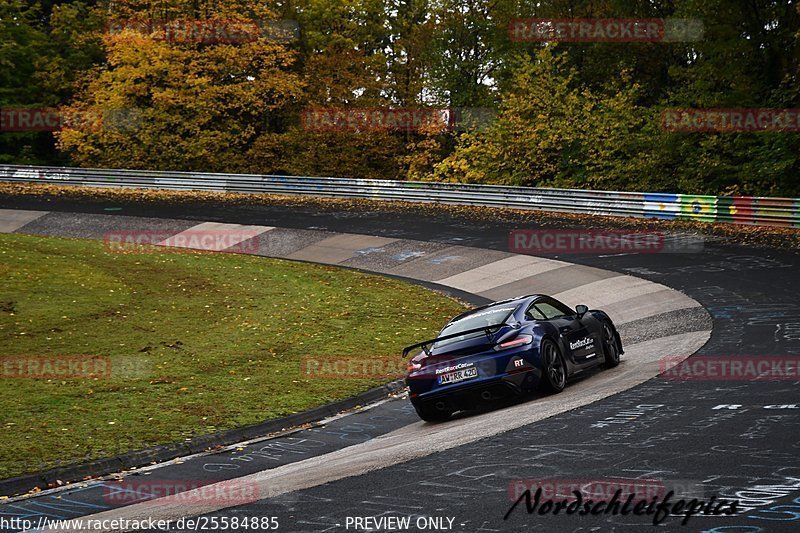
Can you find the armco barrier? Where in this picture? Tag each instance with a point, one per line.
(737, 209)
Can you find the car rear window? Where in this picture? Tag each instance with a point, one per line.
(491, 316)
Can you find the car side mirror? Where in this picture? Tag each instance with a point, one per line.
(582, 310)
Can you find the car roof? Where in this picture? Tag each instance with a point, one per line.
(517, 299)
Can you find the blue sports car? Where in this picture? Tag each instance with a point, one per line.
(506, 349)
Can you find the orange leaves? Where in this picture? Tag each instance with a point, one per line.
(198, 103)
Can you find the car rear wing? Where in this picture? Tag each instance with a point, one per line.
(424, 344)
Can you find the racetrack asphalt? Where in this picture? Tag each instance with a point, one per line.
(673, 431)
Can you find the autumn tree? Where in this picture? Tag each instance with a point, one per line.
(177, 100)
(43, 50)
(575, 114)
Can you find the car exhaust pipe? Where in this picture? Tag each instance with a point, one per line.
(440, 406)
(486, 395)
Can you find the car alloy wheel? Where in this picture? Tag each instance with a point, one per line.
(554, 372)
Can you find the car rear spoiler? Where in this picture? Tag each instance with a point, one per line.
(424, 344)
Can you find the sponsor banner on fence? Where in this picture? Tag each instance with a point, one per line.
(731, 368)
(352, 367)
(206, 31)
(741, 120)
(606, 30)
(775, 211)
(185, 492)
(754, 210)
(796, 213)
(207, 240)
(535, 242)
(738, 209)
(702, 208)
(665, 206)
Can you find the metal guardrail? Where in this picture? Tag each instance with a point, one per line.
(736, 209)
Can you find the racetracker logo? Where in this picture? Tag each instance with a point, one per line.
(29, 119)
(733, 368)
(205, 31)
(374, 119)
(731, 120)
(640, 489)
(207, 240)
(185, 492)
(55, 367)
(349, 367)
(522, 241)
(355, 120)
(605, 30)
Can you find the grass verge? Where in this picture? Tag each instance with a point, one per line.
(196, 342)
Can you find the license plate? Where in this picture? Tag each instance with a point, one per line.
(458, 375)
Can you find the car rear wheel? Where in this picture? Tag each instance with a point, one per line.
(429, 413)
(554, 371)
(610, 346)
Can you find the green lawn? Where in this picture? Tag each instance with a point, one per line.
(197, 342)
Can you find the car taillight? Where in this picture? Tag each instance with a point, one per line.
(513, 343)
(413, 367)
